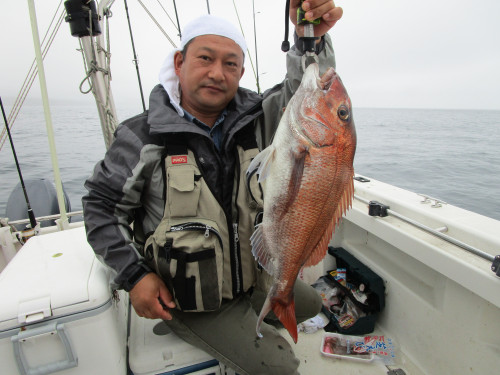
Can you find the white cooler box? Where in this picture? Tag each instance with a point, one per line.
(57, 313)
(155, 350)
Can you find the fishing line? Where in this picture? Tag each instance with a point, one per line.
(248, 51)
(31, 215)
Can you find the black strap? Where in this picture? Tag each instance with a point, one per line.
(184, 287)
(176, 149)
(183, 258)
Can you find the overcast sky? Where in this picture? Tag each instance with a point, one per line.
(390, 53)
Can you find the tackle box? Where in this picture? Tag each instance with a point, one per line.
(58, 314)
(357, 273)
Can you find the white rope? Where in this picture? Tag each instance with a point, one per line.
(91, 68)
(168, 15)
(32, 74)
(157, 24)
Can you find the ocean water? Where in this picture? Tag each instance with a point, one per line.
(453, 155)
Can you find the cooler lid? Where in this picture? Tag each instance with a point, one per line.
(52, 275)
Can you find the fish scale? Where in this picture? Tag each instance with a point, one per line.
(306, 174)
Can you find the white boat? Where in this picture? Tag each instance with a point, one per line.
(440, 265)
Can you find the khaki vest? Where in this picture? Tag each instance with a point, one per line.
(190, 249)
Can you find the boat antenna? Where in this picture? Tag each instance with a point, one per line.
(31, 215)
(177, 18)
(208, 7)
(285, 46)
(136, 61)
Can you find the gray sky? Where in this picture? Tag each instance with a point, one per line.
(390, 53)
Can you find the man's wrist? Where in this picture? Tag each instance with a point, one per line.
(140, 270)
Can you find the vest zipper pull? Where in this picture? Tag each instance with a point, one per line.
(235, 231)
(207, 231)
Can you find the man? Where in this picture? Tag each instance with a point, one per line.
(178, 173)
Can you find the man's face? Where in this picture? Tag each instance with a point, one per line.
(209, 74)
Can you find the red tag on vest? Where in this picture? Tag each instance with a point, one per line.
(179, 159)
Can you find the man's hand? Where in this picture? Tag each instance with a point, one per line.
(146, 295)
(324, 9)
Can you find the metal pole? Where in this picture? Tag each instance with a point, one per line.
(467, 247)
(46, 108)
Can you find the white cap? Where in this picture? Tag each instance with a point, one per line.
(204, 25)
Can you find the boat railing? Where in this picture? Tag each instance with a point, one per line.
(378, 209)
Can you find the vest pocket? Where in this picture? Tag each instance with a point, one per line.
(190, 261)
(184, 191)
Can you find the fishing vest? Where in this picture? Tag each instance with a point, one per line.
(201, 255)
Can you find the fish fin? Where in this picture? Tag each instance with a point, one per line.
(263, 312)
(296, 177)
(260, 252)
(286, 314)
(319, 251)
(262, 163)
(345, 202)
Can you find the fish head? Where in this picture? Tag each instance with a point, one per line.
(324, 110)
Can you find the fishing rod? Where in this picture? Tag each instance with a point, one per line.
(31, 215)
(136, 61)
(177, 18)
(256, 49)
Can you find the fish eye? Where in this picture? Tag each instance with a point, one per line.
(343, 113)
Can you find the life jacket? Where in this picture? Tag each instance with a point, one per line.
(201, 251)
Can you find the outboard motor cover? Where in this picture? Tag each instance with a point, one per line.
(43, 200)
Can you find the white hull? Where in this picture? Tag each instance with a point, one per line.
(442, 303)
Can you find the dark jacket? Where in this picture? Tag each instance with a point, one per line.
(127, 186)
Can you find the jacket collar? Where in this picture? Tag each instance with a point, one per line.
(163, 118)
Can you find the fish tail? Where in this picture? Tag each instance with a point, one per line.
(286, 314)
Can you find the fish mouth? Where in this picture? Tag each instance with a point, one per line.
(314, 80)
(327, 79)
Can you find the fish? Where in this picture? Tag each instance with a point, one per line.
(306, 175)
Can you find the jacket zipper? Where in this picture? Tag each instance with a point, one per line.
(236, 237)
(197, 227)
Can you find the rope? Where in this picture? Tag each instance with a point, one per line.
(157, 24)
(92, 67)
(32, 73)
(168, 15)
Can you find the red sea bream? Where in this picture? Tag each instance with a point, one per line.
(307, 179)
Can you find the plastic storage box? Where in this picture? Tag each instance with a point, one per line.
(57, 312)
(155, 350)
